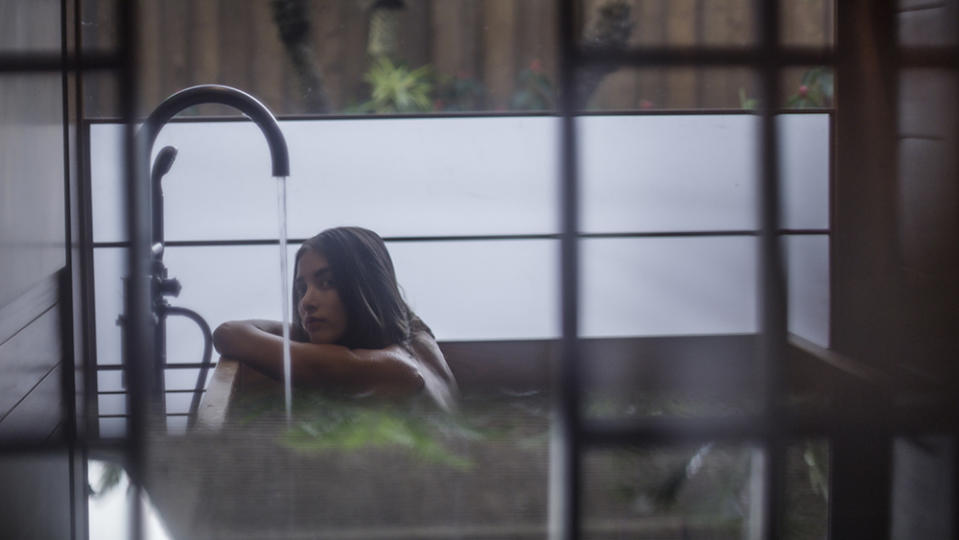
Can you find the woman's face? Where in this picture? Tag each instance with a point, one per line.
(321, 311)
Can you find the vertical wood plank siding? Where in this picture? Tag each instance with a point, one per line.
(186, 43)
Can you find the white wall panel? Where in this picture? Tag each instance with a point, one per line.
(668, 286)
(486, 176)
(449, 176)
(804, 166)
(110, 269)
(668, 173)
(807, 285)
(400, 177)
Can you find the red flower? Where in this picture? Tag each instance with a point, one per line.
(803, 90)
(536, 65)
(645, 104)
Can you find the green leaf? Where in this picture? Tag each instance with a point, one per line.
(395, 88)
(747, 102)
(330, 425)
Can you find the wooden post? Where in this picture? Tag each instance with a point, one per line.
(864, 292)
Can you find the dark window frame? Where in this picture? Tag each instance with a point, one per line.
(768, 55)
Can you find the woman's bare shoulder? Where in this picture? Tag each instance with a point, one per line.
(427, 351)
(439, 381)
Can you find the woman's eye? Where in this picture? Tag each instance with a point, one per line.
(326, 284)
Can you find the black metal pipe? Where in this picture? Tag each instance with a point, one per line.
(207, 355)
(224, 95)
(161, 166)
(148, 277)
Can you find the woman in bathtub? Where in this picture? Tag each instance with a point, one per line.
(352, 331)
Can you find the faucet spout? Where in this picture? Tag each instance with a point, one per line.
(147, 284)
(224, 95)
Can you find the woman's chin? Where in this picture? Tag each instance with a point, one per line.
(318, 338)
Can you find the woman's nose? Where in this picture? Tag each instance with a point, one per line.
(308, 303)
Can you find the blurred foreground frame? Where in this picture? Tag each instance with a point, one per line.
(883, 394)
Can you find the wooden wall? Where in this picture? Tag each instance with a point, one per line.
(893, 266)
(490, 41)
(32, 232)
(37, 493)
(928, 191)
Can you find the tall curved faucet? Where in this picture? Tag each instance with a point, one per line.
(196, 95)
(159, 284)
(224, 95)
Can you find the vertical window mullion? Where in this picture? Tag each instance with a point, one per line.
(138, 347)
(564, 472)
(772, 300)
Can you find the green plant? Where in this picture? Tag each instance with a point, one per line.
(815, 90)
(331, 426)
(458, 93)
(747, 102)
(397, 88)
(534, 90)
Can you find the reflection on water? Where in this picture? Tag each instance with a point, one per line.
(359, 469)
(109, 501)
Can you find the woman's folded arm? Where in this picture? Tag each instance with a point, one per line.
(391, 371)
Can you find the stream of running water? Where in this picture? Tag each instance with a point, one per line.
(284, 295)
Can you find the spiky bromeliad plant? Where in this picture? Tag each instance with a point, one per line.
(395, 88)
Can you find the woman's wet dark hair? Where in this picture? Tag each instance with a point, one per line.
(363, 274)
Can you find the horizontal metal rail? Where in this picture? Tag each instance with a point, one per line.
(124, 392)
(747, 56)
(485, 237)
(181, 365)
(199, 118)
(128, 416)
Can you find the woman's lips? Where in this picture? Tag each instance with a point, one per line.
(315, 322)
